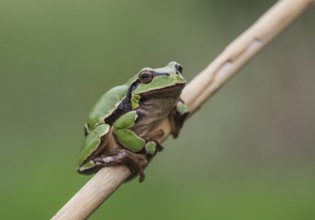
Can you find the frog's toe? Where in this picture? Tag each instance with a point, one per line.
(135, 162)
(178, 117)
(87, 168)
(152, 147)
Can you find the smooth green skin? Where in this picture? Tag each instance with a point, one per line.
(124, 135)
(108, 103)
(92, 140)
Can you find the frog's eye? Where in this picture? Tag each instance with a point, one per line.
(178, 68)
(145, 76)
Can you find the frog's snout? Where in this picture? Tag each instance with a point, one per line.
(178, 68)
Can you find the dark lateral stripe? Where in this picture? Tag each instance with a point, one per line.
(123, 107)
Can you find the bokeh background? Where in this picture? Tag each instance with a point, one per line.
(248, 153)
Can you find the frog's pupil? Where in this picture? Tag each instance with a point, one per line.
(145, 76)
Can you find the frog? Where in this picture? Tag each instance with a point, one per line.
(120, 127)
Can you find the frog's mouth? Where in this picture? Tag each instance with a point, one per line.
(173, 90)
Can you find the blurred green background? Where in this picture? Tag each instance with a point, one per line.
(248, 153)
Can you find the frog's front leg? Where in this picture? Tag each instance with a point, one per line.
(129, 139)
(135, 162)
(178, 116)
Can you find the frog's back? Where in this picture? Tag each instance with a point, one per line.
(106, 105)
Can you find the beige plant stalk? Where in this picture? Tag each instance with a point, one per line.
(203, 86)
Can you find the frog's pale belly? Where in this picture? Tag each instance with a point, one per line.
(154, 108)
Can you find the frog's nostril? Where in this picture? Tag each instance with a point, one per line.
(178, 68)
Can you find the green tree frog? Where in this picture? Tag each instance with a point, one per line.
(119, 127)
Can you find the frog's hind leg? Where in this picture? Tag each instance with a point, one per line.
(135, 162)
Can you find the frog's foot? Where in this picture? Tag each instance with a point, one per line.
(177, 117)
(151, 147)
(135, 162)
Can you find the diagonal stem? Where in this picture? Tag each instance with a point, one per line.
(202, 87)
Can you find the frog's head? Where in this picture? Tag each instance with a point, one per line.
(168, 78)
